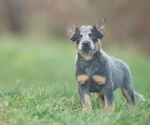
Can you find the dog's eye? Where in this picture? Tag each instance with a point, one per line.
(81, 35)
(90, 34)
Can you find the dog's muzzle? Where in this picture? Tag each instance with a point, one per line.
(86, 47)
(86, 44)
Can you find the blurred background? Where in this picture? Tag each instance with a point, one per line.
(128, 20)
(33, 43)
(37, 82)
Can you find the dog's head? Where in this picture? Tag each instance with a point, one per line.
(87, 39)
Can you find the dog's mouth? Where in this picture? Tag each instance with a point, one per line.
(86, 52)
(87, 49)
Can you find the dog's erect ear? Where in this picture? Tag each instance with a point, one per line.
(101, 25)
(70, 29)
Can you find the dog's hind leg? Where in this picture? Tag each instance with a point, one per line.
(128, 93)
(127, 88)
(141, 97)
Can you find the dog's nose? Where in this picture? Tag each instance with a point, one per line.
(86, 43)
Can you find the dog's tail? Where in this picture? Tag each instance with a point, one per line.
(141, 97)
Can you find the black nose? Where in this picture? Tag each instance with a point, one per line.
(86, 43)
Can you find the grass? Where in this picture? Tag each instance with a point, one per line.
(38, 87)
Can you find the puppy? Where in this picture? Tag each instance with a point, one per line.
(95, 70)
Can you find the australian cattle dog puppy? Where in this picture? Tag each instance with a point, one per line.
(95, 70)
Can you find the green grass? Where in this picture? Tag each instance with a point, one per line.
(37, 86)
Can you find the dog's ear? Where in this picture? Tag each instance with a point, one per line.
(101, 25)
(70, 29)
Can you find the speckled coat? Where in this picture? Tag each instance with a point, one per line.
(95, 70)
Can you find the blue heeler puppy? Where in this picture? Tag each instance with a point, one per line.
(95, 70)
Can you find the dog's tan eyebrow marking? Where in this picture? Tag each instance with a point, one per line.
(97, 45)
(82, 78)
(99, 79)
(75, 45)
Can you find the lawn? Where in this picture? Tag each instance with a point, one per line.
(37, 86)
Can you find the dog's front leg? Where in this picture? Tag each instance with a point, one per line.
(85, 98)
(109, 100)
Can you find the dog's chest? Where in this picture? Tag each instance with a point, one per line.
(92, 72)
(95, 75)
(89, 67)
